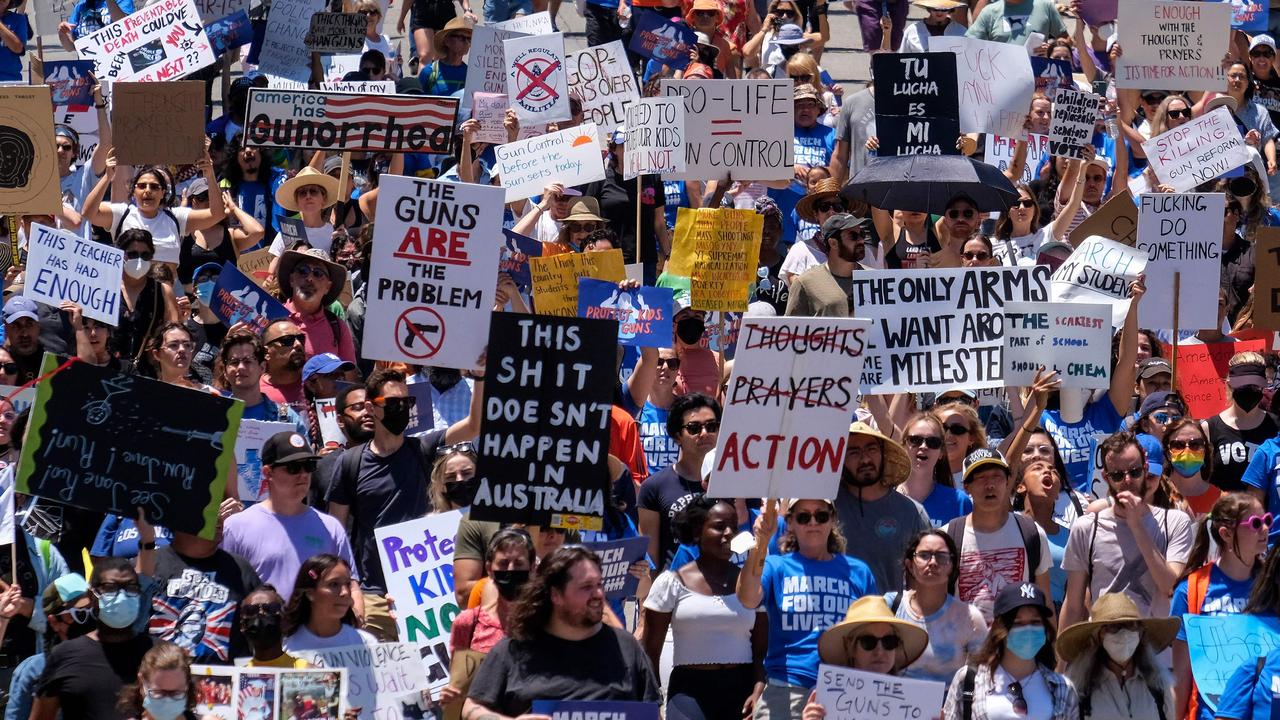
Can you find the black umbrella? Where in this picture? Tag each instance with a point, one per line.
(926, 183)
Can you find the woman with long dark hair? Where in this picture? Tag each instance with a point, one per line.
(1039, 487)
(320, 612)
(1111, 661)
(169, 351)
(147, 302)
(930, 482)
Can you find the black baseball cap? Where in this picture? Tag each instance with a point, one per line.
(286, 447)
(1017, 595)
(840, 222)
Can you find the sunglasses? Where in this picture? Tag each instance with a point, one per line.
(77, 615)
(784, 13)
(673, 363)
(829, 206)
(957, 214)
(395, 403)
(888, 642)
(1183, 113)
(309, 190)
(1119, 475)
(9, 368)
(297, 466)
(253, 611)
(821, 517)
(695, 428)
(930, 441)
(310, 271)
(1262, 53)
(287, 340)
(148, 186)
(64, 147)
(979, 255)
(957, 429)
(1185, 444)
(1257, 522)
(1164, 418)
(463, 447)
(800, 78)
(136, 254)
(942, 557)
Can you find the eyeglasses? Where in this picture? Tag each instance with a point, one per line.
(1183, 113)
(967, 214)
(957, 429)
(463, 447)
(821, 517)
(942, 557)
(310, 270)
(829, 206)
(287, 340)
(179, 346)
(77, 615)
(297, 466)
(933, 442)
(888, 642)
(976, 255)
(253, 611)
(136, 254)
(1164, 418)
(395, 403)
(357, 406)
(1027, 203)
(1185, 444)
(673, 363)
(148, 186)
(801, 78)
(309, 190)
(1132, 473)
(1257, 522)
(695, 428)
(9, 368)
(245, 360)
(155, 694)
(1018, 701)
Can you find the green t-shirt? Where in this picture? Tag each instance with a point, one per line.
(1006, 22)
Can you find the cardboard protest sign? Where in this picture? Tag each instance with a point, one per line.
(1099, 271)
(917, 103)
(1072, 338)
(850, 694)
(1266, 279)
(1173, 45)
(362, 87)
(1180, 233)
(742, 128)
(249, 441)
(555, 278)
(232, 31)
(417, 561)
(335, 32)
(211, 10)
(643, 315)
(431, 286)
(486, 64)
(1075, 114)
(71, 82)
(1117, 220)
(1199, 150)
(1248, 15)
(29, 182)
(237, 298)
(953, 335)
(516, 251)
(1219, 644)
(570, 157)
(614, 710)
(284, 50)
(116, 443)
(157, 123)
(544, 440)
(616, 557)
(347, 122)
(489, 110)
(661, 38)
(995, 84)
(719, 250)
(255, 265)
(601, 77)
(64, 266)
(163, 41)
(380, 679)
(1201, 368)
(655, 138)
(1000, 151)
(786, 415)
(537, 83)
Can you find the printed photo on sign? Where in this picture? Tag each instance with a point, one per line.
(312, 694)
(742, 128)
(252, 436)
(379, 679)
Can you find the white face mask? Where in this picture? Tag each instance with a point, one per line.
(137, 267)
(1121, 645)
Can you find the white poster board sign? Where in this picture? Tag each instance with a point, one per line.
(996, 84)
(249, 441)
(1181, 233)
(1000, 151)
(601, 77)
(163, 41)
(537, 81)
(62, 266)
(1072, 338)
(486, 63)
(538, 23)
(743, 128)
(381, 679)
(849, 694)
(1075, 114)
(569, 157)
(1099, 271)
(284, 50)
(655, 138)
(1197, 151)
(1170, 45)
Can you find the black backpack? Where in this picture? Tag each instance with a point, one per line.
(1026, 526)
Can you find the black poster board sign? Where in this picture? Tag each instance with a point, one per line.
(917, 103)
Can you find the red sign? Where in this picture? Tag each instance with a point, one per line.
(1202, 374)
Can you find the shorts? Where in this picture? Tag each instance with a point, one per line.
(431, 14)
(377, 618)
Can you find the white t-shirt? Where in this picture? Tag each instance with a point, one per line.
(1025, 248)
(999, 703)
(164, 233)
(915, 39)
(990, 561)
(317, 237)
(547, 229)
(706, 628)
(304, 639)
(801, 257)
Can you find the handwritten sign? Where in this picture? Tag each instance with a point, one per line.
(537, 83)
(1201, 368)
(489, 110)
(995, 83)
(29, 179)
(361, 87)
(163, 41)
(555, 278)
(62, 266)
(849, 694)
(538, 23)
(1173, 45)
(616, 558)
(381, 679)
(1117, 220)
(570, 157)
(643, 314)
(1180, 233)
(917, 103)
(545, 435)
(345, 121)
(1000, 152)
(719, 250)
(655, 138)
(601, 77)
(252, 436)
(335, 32)
(1198, 151)
(486, 67)
(284, 51)
(211, 10)
(157, 123)
(1075, 114)
(663, 39)
(1099, 271)
(742, 128)
(237, 298)
(1266, 289)
(1072, 338)
(1219, 644)
(787, 408)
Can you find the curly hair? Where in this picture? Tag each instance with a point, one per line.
(532, 611)
(691, 518)
(909, 557)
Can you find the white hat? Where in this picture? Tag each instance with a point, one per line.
(1263, 39)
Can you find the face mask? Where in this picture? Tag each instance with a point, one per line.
(263, 630)
(137, 268)
(1187, 462)
(204, 291)
(165, 708)
(118, 609)
(462, 492)
(690, 330)
(1121, 645)
(1247, 397)
(395, 420)
(509, 582)
(1025, 641)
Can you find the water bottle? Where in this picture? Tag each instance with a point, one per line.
(1109, 119)
(624, 17)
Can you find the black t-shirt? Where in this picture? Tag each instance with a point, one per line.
(191, 255)
(903, 254)
(609, 665)
(383, 491)
(666, 493)
(1233, 449)
(195, 601)
(86, 676)
(1267, 94)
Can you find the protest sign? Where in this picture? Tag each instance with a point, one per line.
(214, 691)
(580, 709)
(1099, 271)
(663, 39)
(953, 336)
(850, 694)
(601, 78)
(1201, 368)
(655, 138)
(537, 83)
(462, 670)
(719, 250)
(417, 561)
(20, 399)
(380, 679)
(232, 31)
(1051, 74)
(516, 251)
(1180, 233)
(1197, 151)
(335, 32)
(420, 415)
(1220, 644)
(362, 87)
(237, 298)
(569, 157)
(1266, 288)
(158, 123)
(995, 83)
(1117, 220)
(249, 441)
(793, 390)
(64, 266)
(1000, 151)
(163, 41)
(489, 110)
(538, 23)
(1173, 45)
(29, 182)
(917, 103)
(616, 558)
(431, 285)
(544, 439)
(311, 693)
(284, 51)
(331, 433)
(211, 10)
(643, 314)
(116, 443)
(1075, 114)
(1097, 12)
(256, 690)
(1249, 16)
(742, 128)
(48, 15)
(256, 265)
(555, 278)
(1071, 338)
(348, 122)
(71, 82)
(486, 67)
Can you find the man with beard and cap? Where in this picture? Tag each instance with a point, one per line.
(824, 290)
(384, 481)
(286, 355)
(877, 522)
(243, 359)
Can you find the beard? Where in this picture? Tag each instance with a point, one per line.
(858, 478)
(355, 432)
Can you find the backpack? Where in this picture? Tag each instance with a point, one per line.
(349, 463)
(1026, 526)
(1093, 538)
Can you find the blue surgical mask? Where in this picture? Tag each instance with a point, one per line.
(164, 708)
(118, 609)
(1025, 641)
(204, 291)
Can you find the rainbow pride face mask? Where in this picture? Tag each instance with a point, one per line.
(1187, 462)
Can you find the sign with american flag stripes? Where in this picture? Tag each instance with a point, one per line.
(350, 121)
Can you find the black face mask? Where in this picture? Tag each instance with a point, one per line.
(263, 630)
(509, 582)
(395, 420)
(1247, 397)
(690, 330)
(442, 379)
(78, 629)
(462, 492)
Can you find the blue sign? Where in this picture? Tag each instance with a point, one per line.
(516, 251)
(579, 709)
(229, 32)
(1249, 15)
(616, 558)
(643, 315)
(71, 82)
(1219, 644)
(421, 418)
(663, 39)
(1050, 74)
(236, 298)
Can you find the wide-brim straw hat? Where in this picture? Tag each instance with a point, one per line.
(290, 259)
(896, 464)
(457, 24)
(1111, 609)
(307, 176)
(869, 610)
(586, 209)
(826, 189)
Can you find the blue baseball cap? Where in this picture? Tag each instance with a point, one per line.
(18, 307)
(324, 363)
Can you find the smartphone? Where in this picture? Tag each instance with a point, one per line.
(1100, 87)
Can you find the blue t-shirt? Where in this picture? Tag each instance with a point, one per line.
(1264, 473)
(945, 504)
(1057, 549)
(1224, 596)
(11, 62)
(1072, 439)
(1247, 694)
(118, 537)
(804, 597)
(439, 78)
(659, 448)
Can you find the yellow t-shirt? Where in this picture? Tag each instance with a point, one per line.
(284, 661)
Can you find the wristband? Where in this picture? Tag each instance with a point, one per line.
(146, 546)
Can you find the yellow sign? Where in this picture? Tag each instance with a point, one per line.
(555, 278)
(718, 249)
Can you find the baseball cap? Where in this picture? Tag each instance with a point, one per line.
(18, 307)
(1263, 40)
(1153, 366)
(840, 222)
(324, 363)
(982, 457)
(1016, 595)
(1160, 400)
(62, 592)
(409, 86)
(939, 398)
(332, 163)
(199, 186)
(286, 447)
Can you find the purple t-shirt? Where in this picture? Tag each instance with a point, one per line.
(277, 545)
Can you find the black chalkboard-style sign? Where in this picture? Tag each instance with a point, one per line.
(917, 103)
